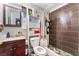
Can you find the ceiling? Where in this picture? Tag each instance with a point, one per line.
(47, 6)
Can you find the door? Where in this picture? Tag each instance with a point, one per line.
(19, 51)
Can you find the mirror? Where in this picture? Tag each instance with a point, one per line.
(12, 16)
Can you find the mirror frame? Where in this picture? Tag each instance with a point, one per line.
(4, 17)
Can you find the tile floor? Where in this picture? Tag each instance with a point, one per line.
(58, 51)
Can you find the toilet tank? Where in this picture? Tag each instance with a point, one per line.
(34, 41)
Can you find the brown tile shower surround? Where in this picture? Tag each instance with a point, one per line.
(64, 28)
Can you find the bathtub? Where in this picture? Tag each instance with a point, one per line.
(50, 52)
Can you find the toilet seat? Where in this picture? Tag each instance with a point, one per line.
(40, 51)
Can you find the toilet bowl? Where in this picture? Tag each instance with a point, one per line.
(40, 51)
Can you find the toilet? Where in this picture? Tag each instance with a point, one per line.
(39, 50)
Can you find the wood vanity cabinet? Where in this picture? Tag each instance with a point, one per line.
(14, 48)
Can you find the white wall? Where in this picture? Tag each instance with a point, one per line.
(46, 14)
(13, 30)
(42, 13)
(1, 14)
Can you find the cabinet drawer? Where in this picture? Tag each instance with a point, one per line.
(15, 43)
(9, 42)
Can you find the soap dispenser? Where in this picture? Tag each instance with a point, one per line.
(8, 35)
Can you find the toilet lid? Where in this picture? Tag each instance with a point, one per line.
(39, 50)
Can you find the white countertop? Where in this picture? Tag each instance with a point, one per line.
(12, 38)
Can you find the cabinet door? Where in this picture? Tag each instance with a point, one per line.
(19, 51)
(9, 50)
(2, 51)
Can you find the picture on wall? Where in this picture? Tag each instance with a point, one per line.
(24, 11)
(24, 17)
(34, 22)
(30, 12)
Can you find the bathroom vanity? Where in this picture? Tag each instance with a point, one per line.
(13, 47)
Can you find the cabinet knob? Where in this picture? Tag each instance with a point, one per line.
(14, 48)
(11, 49)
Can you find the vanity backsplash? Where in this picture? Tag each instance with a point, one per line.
(13, 31)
